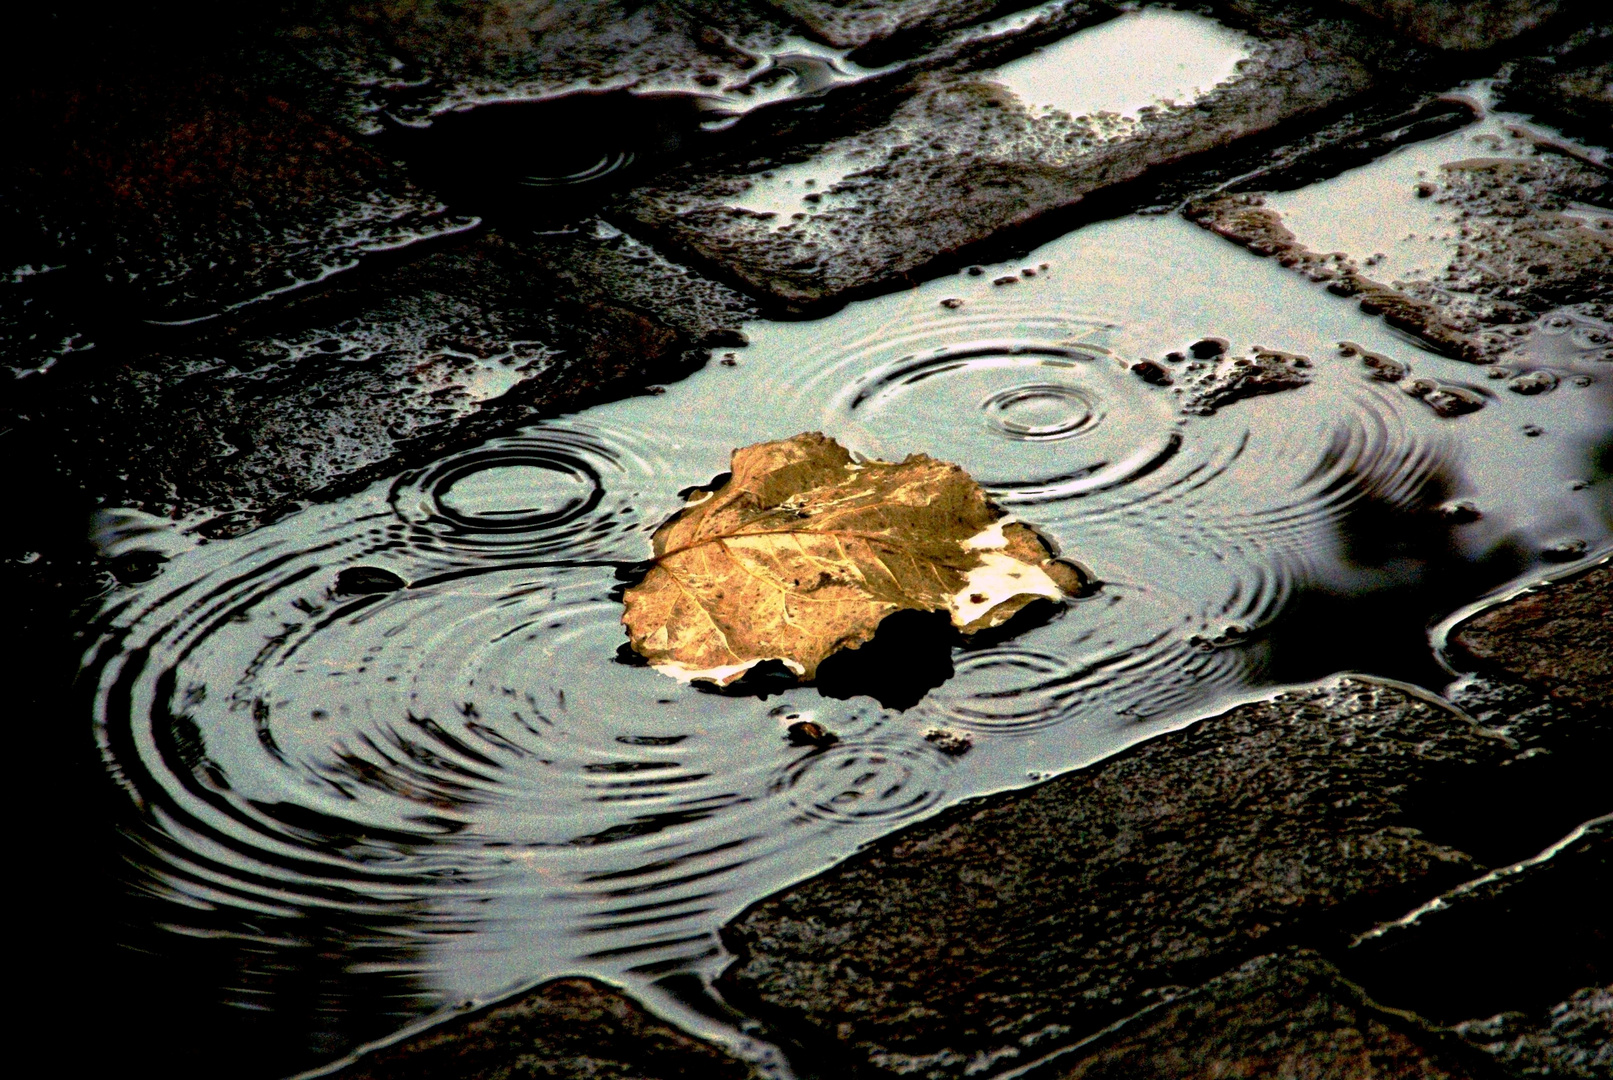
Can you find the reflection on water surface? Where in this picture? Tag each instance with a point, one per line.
(390, 803)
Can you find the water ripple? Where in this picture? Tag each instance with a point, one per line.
(453, 765)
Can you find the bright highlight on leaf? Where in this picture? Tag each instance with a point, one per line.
(805, 550)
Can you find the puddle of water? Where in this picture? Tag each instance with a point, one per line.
(1387, 214)
(1375, 214)
(1119, 67)
(1138, 59)
(415, 798)
(794, 191)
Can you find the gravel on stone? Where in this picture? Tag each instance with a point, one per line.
(996, 932)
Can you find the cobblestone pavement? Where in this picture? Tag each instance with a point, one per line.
(261, 264)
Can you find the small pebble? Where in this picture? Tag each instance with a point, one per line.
(950, 743)
(1152, 373)
(952, 303)
(811, 733)
(1533, 382)
(1006, 279)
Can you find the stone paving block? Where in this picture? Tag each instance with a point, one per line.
(1518, 962)
(1557, 638)
(343, 387)
(1462, 25)
(849, 24)
(1518, 252)
(413, 60)
(1572, 1039)
(1570, 85)
(994, 933)
(961, 159)
(1555, 783)
(1277, 1015)
(180, 199)
(569, 1029)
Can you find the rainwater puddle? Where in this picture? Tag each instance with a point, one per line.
(804, 188)
(1135, 61)
(1141, 58)
(1393, 213)
(415, 797)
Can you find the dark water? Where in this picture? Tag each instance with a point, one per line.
(357, 810)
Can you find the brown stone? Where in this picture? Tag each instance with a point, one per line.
(1522, 256)
(1278, 1015)
(1461, 25)
(997, 932)
(569, 1028)
(186, 198)
(1557, 638)
(960, 160)
(848, 24)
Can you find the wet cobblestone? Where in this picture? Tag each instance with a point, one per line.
(285, 267)
(995, 933)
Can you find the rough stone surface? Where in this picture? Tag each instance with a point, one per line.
(1521, 254)
(996, 932)
(1277, 1015)
(569, 1028)
(1572, 1039)
(959, 160)
(601, 263)
(182, 199)
(851, 23)
(1517, 961)
(1570, 85)
(1558, 638)
(351, 384)
(1462, 25)
(415, 59)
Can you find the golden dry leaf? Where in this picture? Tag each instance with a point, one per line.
(804, 550)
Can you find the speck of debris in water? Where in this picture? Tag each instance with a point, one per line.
(811, 733)
(364, 580)
(1150, 372)
(1567, 551)
(950, 743)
